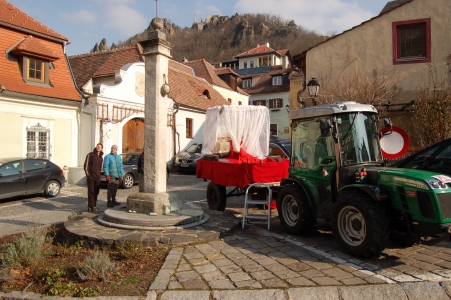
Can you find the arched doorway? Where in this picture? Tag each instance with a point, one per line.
(133, 136)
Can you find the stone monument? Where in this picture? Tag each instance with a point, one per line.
(152, 197)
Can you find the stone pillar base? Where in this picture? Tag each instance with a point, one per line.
(146, 203)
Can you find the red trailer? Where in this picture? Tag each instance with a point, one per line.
(228, 161)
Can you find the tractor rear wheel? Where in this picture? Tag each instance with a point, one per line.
(359, 224)
(295, 213)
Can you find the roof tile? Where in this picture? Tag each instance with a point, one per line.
(11, 15)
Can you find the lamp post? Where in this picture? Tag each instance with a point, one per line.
(313, 87)
(287, 108)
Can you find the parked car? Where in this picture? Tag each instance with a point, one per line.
(280, 147)
(435, 158)
(131, 176)
(187, 160)
(26, 176)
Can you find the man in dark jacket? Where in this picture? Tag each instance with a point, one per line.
(93, 167)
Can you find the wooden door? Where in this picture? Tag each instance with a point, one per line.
(133, 136)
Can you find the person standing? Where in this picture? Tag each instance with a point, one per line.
(114, 174)
(93, 168)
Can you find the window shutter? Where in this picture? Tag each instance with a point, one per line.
(271, 103)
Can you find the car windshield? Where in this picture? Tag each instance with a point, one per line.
(195, 148)
(286, 146)
(358, 138)
(129, 159)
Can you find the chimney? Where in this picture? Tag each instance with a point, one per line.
(267, 44)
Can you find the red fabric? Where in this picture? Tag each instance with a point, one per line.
(241, 174)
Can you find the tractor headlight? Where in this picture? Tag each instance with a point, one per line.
(436, 184)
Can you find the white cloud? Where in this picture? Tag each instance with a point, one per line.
(81, 16)
(127, 20)
(323, 16)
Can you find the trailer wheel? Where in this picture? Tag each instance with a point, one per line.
(360, 225)
(294, 210)
(216, 197)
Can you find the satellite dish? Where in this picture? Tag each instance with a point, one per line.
(394, 145)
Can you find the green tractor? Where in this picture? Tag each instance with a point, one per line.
(337, 173)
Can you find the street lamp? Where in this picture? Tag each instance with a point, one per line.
(288, 108)
(313, 87)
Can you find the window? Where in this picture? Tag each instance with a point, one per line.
(240, 103)
(35, 70)
(273, 129)
(189, 128)
(251, 64)
(259, 102)
(32, 165)
(38, 144)
(277, 80)
(12, 168)
(245, 65)
(275, 103)
(411, 41)
(247, 83)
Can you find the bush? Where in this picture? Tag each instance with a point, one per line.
(131, 250)
(26, 251)
(96, 266)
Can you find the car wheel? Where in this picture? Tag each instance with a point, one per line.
(52, 188)
(128, 181)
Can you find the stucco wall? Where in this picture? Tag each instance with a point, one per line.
(276, 116)
(18, 114)
(226, 93)
(369, 47)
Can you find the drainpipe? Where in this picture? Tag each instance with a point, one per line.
(84, 101)
(175, 134)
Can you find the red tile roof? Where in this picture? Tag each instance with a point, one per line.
(263, 49)
(103, 63)
(208, 72)
(11, 15)
(205, 70)
(15, 42)
(189, 90)
(31, 47)
(264, 84)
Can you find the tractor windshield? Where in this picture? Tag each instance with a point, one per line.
(358, 138)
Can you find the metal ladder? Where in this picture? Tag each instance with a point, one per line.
(266, 202)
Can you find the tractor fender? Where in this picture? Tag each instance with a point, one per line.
(377, 193)
(304, 187)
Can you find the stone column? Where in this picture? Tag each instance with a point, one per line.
(152, 196)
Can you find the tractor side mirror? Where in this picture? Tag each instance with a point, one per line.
(325, 127)
(387, 122)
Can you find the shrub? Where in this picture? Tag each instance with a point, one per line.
(26, 251)
(131, 249)
(96, 266)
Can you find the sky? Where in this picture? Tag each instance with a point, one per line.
(85, 22)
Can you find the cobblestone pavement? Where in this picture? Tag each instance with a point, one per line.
(256, 263)
(258, 259)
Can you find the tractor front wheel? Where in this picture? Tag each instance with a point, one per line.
(295, 213)
(359, 224)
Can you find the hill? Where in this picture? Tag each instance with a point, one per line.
(220, 38)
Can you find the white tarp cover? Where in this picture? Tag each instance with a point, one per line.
(246, 126)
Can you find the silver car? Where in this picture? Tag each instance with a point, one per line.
(187, 160)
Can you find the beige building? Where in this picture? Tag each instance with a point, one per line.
(398, 47)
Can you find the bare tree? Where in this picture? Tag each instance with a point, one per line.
(432, 112)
